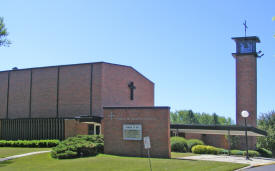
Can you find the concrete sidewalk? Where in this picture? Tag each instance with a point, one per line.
(256, 161)
(22, 155)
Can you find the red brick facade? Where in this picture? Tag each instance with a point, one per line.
(19, 94)
(74, 90)
(44, 93)
(214, 140)
(3, 95)
(246, 88)
(155, 123)
(246, 93)
(73, 128)
(71, 90)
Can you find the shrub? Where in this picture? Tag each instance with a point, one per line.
(178, 144)
(193, 142)
(236, 152)
(252, 153)
(29, 143)
(223, 151)
(206, 149)
(264, 152)
(79, 146)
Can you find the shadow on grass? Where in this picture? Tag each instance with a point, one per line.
(5, 163)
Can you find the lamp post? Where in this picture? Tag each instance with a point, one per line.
(245, 114)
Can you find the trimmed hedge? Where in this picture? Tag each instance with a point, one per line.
(178, 144)
(264, 152)
(206, 149)
(192, 142)
(236, 152)
(223, 151)
(79, 146)
(29, 143)
(252, 153)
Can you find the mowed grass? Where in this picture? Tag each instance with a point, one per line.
(11, 151)
(103, 162)
(176, 154)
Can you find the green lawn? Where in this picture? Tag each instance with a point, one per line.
(176, 154)
(103, 162)
(10, 151)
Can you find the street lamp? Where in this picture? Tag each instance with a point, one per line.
(245, 114)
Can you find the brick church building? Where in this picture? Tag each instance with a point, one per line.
(66, 100)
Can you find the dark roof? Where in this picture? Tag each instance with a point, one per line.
(218, 129)
(87, 119)
(247, 38)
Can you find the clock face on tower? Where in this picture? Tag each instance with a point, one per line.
(245, 47)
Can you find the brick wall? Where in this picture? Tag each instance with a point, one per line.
(155, 123)
(193, 136)
(115, 90)
(213, 140)
(246, 88)
(73, 128)
(97, 90)
(216, 141)
(74, 90)
(3, 94)
(44, 93)
(34, 92)
(246, 93)
(19, 94)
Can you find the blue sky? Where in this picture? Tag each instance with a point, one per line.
(183, 46)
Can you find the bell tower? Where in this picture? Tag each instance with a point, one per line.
(246, 82)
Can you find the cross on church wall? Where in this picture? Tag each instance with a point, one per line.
(132, 88)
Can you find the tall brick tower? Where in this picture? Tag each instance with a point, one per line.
(246, 83)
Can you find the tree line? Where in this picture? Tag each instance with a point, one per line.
(195, 118)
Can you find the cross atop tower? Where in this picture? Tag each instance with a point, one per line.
(245, 27)
(132, 88)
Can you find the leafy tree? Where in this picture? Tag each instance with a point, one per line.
(173, 117)
(205, 119)
(267, 122)
(3, 34)
(190, 117)
(273, 19)
(215, 119)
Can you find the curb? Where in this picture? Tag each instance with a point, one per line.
(265, 164)
(244, 168)
(252, 166)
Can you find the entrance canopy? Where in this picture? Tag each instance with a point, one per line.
(89, 119)
(217, 129)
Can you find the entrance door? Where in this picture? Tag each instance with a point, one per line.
(93, 129)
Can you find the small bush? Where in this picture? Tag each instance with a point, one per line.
(264, 152)
(178, 144)
(236, 152)
(192, 142)
(79, 146)
(252, 153)
(223, 151)
(29, 143)
(206, 149)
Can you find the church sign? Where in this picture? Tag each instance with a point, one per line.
(125, 129)
(132, 132)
